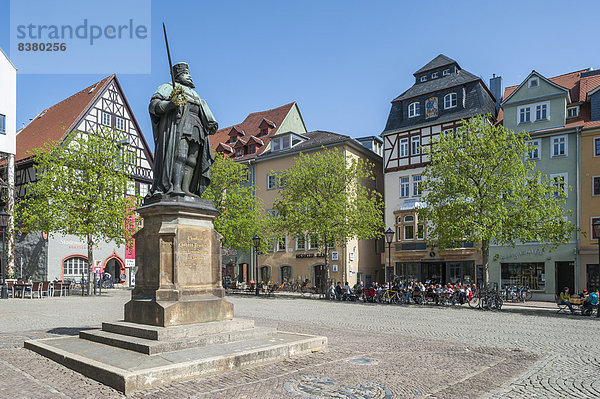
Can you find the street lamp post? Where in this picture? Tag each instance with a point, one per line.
(389, 237)
(256, 243)
(596, 227)
(4, 220)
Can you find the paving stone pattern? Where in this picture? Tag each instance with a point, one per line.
(410, 352)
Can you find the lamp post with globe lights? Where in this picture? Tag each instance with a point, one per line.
(256, 243)
(389, 237)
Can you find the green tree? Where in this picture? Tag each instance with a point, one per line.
(325, 195)
(480, 187)
(241, 212)
(80, 190)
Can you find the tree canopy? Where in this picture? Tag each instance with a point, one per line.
(241, 212)
(481, 187)
(80, 190)
(327, 195)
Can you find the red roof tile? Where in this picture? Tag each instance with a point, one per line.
(53, 123)
(251, 127)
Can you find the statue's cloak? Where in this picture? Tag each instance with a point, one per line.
(169, 128)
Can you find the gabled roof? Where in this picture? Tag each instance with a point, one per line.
(251, 127)
(235, 131)
(53, 123)
(267, 122)
(438, 62)
(534, 72)
(579, 84)
(239, 143)
(222, 147)
(255, 140)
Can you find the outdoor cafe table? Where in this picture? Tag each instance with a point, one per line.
(20, 287)
(62, 286)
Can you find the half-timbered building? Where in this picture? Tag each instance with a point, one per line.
(103, 104)
(442, 95)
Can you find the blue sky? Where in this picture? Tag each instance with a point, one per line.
(342, 61)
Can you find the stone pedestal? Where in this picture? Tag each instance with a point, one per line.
(178, 262)
(177, 325)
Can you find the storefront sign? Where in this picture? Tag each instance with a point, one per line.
(536, 251)
(305, 255)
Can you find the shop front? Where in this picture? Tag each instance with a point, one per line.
(437, 272)
(546, 273)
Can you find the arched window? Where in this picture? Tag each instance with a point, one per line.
(265, 274)
(286, 273)
(414, 110)
(450, 100)
(75, 266)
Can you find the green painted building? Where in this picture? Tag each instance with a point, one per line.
(544, 108)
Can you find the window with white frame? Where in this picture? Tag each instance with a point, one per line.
(560, 182)
(280, 182)
(559, 146)
(300, 243)
(595, 185)
(416, 185)
(120, 123)
(106, 119)
(75, 266)
(420, 232)
(143, 190)
(398, 228)
(541, 111)
(592, 221)
(534, 150)
(409, 227)
(434, 75)
(414, 110)
(573, 112)
(415, 145)
(131, 187)
(281, 244)
(313, 242)
(423, 78)
(271, 181)
(597, 146)
(524, 114)
(533, 82)
(403, 148)
(450, 100)
(446, 72)
(2, 124)
(404, 187)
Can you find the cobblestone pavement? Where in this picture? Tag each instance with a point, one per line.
(410, 352)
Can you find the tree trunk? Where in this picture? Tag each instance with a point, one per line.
(485, 254)
(90, 248)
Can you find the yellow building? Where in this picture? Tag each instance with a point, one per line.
(297, 258)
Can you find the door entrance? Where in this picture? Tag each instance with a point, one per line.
(593, 277)
(565, 276)
(320, 277)
(433, 273)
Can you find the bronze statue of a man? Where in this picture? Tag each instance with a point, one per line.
(181, 128)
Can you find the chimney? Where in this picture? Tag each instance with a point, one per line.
(496, 89)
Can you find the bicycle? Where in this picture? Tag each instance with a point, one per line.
(390, 296)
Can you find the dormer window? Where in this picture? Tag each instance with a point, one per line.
(263, 132)
(251, 149)
(533, 82)
(573, 112)
(434, 75)
(239, 152)
(423, 78)
(450, 100)
(446, 72)
(414, 110)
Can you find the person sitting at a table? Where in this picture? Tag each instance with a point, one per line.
(565, 299)
(591, 301)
